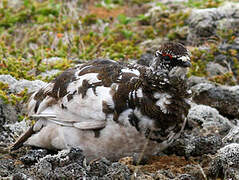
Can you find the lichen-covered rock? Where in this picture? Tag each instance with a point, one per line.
(208, 119)
(8, 79)
(67, 163)
(16, 129)
(205, 22)
(31, 86)
(33, 156)
(224, 98)
(232, 136)
(18, 86)
(99, 168)
(194, 145)
(49, 74)
(226, 163)
(117, 171)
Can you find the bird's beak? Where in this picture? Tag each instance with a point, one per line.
(187, 64)
(185, 61)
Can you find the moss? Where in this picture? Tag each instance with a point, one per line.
(226, 78)
(89, 19)
(203, 3)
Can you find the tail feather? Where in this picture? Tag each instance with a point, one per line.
(19, 143)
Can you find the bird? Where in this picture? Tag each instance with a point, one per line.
(113, 109)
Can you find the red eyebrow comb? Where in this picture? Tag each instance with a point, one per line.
(169, 55)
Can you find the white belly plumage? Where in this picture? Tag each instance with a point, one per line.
(113, 142)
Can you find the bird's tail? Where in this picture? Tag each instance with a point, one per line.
(23, 138)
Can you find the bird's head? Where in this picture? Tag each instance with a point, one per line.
(170, 55)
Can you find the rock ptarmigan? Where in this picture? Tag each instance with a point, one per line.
(112, 109)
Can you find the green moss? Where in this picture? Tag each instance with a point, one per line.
(203, 3)
(89, 19)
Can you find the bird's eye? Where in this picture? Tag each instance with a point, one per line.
(167, 57)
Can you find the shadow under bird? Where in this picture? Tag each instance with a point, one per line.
(113, 109)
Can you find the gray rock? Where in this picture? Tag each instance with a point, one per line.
(31, 86)
(65, 164)
(52, 60)
(193, 80)
(232, 136)
(21, 176)
(224, 98)
(215, 69)
(8, 79)
(33, 156)
(8, 114)
(49, 74)
(6, 167)
(17, 128)
(117, 171)
(226, 163)
(153, 13)
(208, 119)
(205, 22)
(146, 59)
(151, 45)
(16, 86)
(185, 177)
(195, 145)
(99, 168)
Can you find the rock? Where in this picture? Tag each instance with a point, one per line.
(195, 145)
(66, 164)
(17, 128)
(33, 156)
(208, 119)
(215, 69)
(193, 80)
(51, 61)
(31, 86)
(8, 79)
(99, 168)
(151, 45)
(226, 163)
(232, 136)
(220, 58)
(117, 171)
(164, 174)
(153, 13)
(205, 22)
(16, 86)
(6, 167)
(49, 74)
(146, 59)
(8, 114)
(21, 176)
(185, 177)
(224, 98)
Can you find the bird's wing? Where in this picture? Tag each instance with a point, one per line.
(80, 97)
